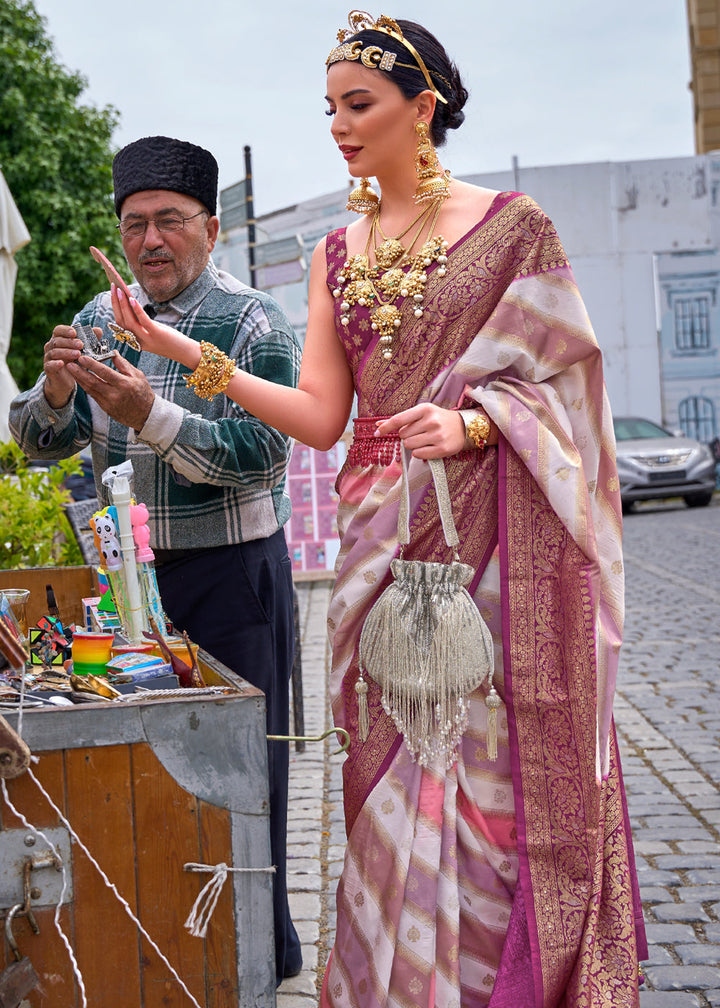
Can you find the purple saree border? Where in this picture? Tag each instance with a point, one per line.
(640, 933)
(501, 994)
(482, 566)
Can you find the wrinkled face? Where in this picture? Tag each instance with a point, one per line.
(373, 123)
(166, 262)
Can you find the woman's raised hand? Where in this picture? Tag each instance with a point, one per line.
(154, 336)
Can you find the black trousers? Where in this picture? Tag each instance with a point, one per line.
(236, 602)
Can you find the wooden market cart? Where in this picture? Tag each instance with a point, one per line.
(148, 786)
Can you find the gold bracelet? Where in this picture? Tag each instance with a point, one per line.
(477, 428)
(213, 373)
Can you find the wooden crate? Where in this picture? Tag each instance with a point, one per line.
(70, 585)
(147, 786)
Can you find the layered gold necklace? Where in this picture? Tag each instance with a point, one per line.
(396, 275)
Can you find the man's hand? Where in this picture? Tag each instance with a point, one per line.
(122, 392)
(62, 348)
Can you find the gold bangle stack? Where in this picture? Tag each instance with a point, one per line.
(213, 373)
(477, 428)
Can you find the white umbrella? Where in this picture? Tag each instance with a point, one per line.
(13, 235)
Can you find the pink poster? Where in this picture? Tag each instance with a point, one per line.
(311, 533)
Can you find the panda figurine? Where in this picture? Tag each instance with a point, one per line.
(109, 545)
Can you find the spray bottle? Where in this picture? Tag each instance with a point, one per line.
(137, 621)
(145, 564)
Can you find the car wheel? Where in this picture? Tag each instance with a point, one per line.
(699, 499)
(627, 506)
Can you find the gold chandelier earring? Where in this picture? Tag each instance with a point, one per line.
(433, 181)
(363, 199)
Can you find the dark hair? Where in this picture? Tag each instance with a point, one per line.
(411, 80)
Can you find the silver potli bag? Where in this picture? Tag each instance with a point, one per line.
(426, 645)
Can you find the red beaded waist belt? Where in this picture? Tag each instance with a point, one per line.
(370, 448)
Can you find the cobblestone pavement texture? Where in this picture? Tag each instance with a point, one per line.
(667, 712)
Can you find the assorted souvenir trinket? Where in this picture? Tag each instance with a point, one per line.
(94, 347)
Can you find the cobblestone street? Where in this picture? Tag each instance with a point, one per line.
(668, 719)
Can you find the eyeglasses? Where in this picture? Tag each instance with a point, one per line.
(136, 228)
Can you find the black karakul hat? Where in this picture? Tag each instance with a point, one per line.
(163, 163)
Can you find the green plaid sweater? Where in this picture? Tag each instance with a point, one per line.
(209, 473)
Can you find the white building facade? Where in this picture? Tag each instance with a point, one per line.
(643, 239)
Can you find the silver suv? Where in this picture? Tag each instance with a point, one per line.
(654, 463)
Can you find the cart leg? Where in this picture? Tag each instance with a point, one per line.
(16, 981)
(297, 683)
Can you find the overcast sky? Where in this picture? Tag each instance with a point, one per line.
(564, 81)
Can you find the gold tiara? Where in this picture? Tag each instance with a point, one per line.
(373, 56)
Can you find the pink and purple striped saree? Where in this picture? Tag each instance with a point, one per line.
(507, 883)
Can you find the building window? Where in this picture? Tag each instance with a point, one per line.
(692, 323)
(697, 418)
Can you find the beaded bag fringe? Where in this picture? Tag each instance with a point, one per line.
(427, 646)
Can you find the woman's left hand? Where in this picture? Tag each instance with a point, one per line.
(154, 336)
(429, 431)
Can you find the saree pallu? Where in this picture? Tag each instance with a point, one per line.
(512, 882)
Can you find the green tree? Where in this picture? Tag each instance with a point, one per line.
(35, 530)
(56, 156)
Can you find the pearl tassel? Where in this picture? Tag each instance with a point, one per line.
(493, 703)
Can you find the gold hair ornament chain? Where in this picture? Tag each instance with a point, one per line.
(373, 56)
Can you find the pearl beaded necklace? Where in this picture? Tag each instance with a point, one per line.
(387, 282)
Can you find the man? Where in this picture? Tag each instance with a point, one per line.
(211, 475)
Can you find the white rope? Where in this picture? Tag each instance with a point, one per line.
(204, 905)
(110, 886)
(63, 937)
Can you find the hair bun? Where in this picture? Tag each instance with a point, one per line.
(455, 119)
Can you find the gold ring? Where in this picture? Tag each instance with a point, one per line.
(124, 336)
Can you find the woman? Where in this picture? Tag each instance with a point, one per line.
(452, 312)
